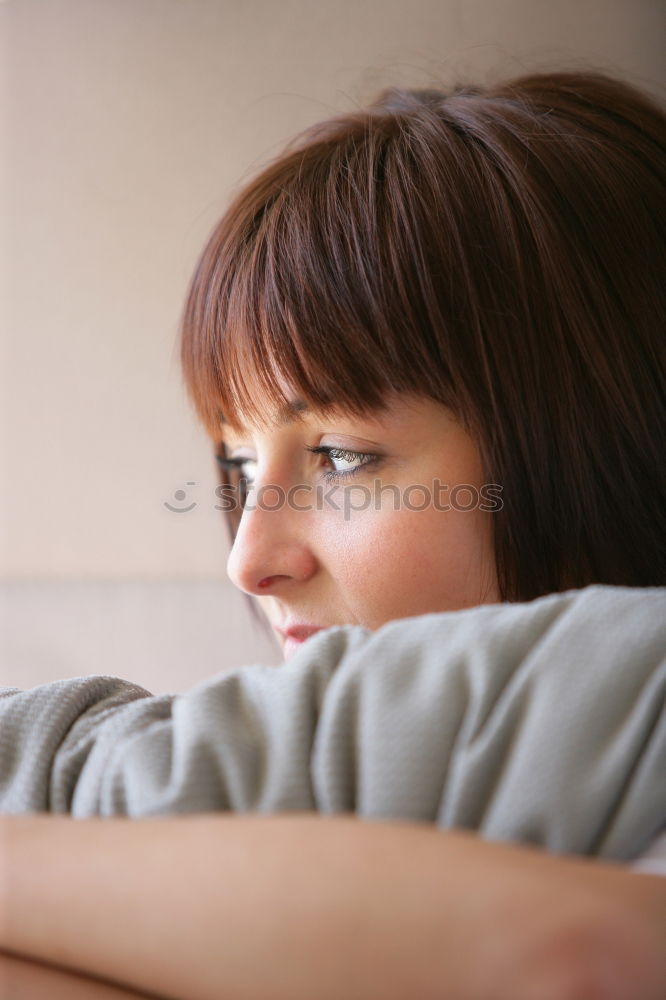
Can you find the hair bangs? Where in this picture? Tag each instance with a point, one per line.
(295, 293)
(458, 245)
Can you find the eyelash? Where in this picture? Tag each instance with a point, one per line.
(347, 456)
(330, 475)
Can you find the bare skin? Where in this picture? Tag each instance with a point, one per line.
(23, 979)
(220, 907)
(295, 906)
(392, 549)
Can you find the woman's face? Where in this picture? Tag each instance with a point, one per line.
(319, 548)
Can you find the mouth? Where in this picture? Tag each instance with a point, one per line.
(295, 635)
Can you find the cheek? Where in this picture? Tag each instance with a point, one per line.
(396, 564)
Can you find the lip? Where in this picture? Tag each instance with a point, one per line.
(299, 633)
(295, 635)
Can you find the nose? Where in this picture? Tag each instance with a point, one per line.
(271, 547)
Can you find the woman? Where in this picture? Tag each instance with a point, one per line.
(427, 344)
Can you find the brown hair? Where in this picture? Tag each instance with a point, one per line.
(498, 250)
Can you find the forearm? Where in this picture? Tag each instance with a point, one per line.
(292, 906)
(23, 979)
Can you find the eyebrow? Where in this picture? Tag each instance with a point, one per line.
(286, 414)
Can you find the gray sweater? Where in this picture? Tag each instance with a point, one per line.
(541, 722)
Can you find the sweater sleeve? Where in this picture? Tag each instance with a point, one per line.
(540, 722)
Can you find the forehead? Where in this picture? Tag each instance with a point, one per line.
(292, 410)
(399, 413)
(256, 402)
(290, 404)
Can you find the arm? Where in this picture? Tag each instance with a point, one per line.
(296, 906)
(21, 979)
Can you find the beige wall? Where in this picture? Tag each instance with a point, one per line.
(126, 124)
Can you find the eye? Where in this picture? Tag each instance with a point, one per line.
(238, 465)
(353, 460)
(356, 459)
